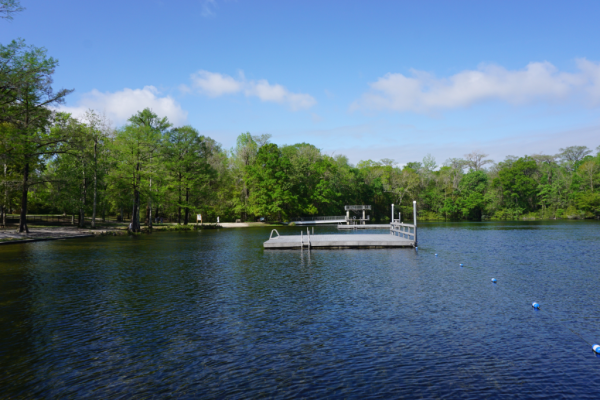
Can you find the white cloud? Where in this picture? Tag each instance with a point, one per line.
(539, 81)
(120, 106)
(214, 84)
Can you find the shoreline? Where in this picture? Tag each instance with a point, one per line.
(40, 233)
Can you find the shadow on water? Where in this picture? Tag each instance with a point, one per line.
(210, 314)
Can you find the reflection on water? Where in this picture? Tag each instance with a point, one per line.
(212, 315)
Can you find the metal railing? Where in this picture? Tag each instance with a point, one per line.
(354, 220)
(357, 208)
(406, 231)
(339, 217)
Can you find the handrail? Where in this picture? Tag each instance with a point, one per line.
(354, 219)
(271, 236)
(349, 208)
(404, 230)
(329, 218)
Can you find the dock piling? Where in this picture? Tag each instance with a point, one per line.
(415, 219)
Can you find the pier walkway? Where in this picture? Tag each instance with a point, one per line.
(320, 220)
(370, 226)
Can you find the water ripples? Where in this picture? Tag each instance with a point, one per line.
(212, 315)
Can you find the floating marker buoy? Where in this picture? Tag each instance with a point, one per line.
(596, 348)
(436, 254)
(461, 265)
(494, 280)
(535, 305)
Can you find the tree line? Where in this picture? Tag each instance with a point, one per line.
(148, 168)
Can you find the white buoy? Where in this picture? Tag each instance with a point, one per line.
(436, 254)
(494, 280)
(462, 265)
(535, 305)
(596, 348)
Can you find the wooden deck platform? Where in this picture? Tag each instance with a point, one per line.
(366, 226)
(337, 241)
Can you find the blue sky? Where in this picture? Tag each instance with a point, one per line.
(370, 80)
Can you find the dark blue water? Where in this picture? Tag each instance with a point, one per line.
(212, 315)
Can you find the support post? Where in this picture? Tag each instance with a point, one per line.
(364, 216)
(415, 219)
(392, 214)
(348, 217)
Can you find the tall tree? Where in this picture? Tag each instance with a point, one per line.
(186, 157)
(135, 148)
(26, 96)
(270, 182)
(518, 184)
(475, 160)
(99, 133)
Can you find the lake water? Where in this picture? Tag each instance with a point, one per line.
(212, 315)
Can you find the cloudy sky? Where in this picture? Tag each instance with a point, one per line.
(371, 80)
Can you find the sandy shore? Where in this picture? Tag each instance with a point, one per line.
(10, 235)
(37, 233)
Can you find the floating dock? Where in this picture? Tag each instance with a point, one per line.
(400, 235)
(344, 241)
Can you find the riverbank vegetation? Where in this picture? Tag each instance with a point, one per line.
(147, 169)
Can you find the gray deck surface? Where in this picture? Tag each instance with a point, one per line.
(337, 241)
(369, 226)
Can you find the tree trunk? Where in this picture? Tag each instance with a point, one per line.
(135, 214)
(95, 177)
(187, 208)
(5, 203)
(150, 206)
(82, 202)
(179, 204)
(23, 217)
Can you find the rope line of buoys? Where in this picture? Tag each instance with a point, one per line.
(536, 306)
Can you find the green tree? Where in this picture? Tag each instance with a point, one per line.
(472, 189)
(186, 158)
(270, 183)
(519, 187)
(135, 151)
(25, 97)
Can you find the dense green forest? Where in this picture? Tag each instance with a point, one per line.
(149, 168)
(54, 163)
